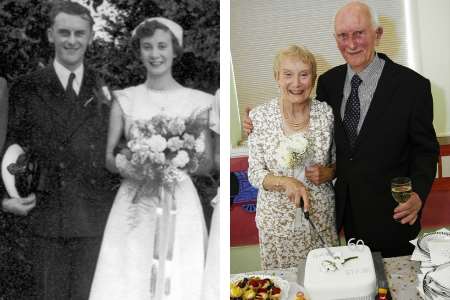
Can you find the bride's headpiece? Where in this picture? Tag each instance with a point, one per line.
(176, 29)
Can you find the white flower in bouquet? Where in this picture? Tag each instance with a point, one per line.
(157, 143)
(292, 150)
(200, 143)
(176, 126)
(157, 157)
(138, 145)
(174, 143)
(189, 141)
(181, 159)
(139, 157)
(150, 128)
(136, 132)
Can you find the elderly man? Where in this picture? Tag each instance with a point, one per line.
(383, 129)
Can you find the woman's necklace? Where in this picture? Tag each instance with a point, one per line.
(290, 121)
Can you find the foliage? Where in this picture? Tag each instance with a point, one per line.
(23, 40)
(25, 48)
(198, 67)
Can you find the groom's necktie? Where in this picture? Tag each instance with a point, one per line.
(352, 111)
(71, 95)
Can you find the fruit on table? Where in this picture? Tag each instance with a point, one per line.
(276, 293)
(235, 291)
(249, 294)
(300, 296)
(254, 287)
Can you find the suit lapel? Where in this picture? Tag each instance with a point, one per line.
(84, 108)
(51, 92)
(380, 100)
(339, 91)
(87, 88)
(338, 94)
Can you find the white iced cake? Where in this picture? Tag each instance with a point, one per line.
(350, 274)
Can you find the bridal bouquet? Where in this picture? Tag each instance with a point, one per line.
(165, 147)
(292, 150)
(162, 149)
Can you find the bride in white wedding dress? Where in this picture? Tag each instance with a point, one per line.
(125, 267)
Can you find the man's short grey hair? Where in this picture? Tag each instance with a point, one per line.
(375, 20)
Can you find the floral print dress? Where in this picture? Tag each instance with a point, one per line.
(282, 245)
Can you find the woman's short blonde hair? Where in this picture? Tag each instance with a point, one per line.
(298, 52)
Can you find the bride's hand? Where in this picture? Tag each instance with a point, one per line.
(126, 169)
(126, 152)
(111, 160)
(110, 163)
(295, 190)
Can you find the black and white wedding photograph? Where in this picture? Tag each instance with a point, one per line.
(110, 151)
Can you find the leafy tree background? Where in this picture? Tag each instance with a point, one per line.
(25, 48)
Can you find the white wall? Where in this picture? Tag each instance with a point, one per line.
(434, 41)
(428, 49)
(235, 128)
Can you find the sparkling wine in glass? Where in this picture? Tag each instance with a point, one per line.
(401, 189)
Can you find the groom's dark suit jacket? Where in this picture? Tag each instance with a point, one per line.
(70, 139)
(397, 138)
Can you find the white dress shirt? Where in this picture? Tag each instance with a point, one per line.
(63, 75)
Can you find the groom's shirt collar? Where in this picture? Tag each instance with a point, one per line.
(63, 75)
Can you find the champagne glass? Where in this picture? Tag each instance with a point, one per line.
(401, 189)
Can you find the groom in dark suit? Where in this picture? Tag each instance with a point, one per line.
(60, 113)
(383, 129)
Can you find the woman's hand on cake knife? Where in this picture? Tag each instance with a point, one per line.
(295, 190)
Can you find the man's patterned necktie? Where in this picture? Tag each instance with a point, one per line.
(352, 111)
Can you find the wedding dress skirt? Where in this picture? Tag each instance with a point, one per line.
(212, 268)
(125, 261)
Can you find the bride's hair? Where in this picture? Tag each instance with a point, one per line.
(147, 29)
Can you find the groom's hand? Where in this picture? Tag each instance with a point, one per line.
(247, 124)
(19, 206)
(319, 174)
(127, 152)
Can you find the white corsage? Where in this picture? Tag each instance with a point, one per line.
(292, 150)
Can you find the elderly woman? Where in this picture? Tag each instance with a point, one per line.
(289, 121)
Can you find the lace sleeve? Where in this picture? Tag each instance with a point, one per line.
(257, 169)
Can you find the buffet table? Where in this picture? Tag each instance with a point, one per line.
(401, 274)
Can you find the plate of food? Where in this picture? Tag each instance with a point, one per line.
(249, 287)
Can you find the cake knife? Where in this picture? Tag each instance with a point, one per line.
(306, 214)
(380, 273)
